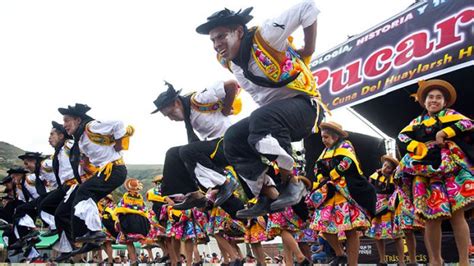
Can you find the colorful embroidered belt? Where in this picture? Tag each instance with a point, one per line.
(206, 107)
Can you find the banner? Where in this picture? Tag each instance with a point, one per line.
(426, 40)
(368, 253)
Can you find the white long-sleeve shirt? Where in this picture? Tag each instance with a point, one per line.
(99, 154)
(65, 169)
(303, 14)
(29, 184)
(210, 125)
(47, 175)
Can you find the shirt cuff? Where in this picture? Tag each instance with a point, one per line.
(449, 132)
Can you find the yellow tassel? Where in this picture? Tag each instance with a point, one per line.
(237, 105)
(125, 143)
(126, 138)
(106, 170)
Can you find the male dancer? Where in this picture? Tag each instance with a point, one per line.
(100, 143)
(279, 79)
(202, 159)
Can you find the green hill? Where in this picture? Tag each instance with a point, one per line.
(144, 172)
(9, 157)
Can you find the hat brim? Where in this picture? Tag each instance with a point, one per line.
(23, 157)
(389, 159)
(160, 106)
(23, 171)
(129, 187)
(445, 87)
(65, 111)
(240, 18)
(332, 127)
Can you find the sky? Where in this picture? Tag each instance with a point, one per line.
(114, 55)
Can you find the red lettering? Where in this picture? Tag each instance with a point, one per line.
(447, 29)
(382, 56)
(414, 46)
(321, 76)
(345, 77)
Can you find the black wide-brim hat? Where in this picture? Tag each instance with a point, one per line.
(225, 17)
(6, 179)
(17, 170)
(166, 98)
(61, 129)
(7, 197)
(32, 155)
(78, 110)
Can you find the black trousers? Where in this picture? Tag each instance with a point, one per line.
(286, 120)
(52, 200)
(6, 212)
(63, 213)
(96, 188)
(180, 162)
(28, 208)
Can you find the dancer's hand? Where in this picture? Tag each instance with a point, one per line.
(169, 201)
(285, 175)
(118, 145)
(440, 137)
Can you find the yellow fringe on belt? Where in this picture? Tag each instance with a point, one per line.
(106, 170)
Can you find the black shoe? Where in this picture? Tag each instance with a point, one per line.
(163, 259)
(339, 260)
(190, 202)
(30, 245)
(63, 257)
(236, 262)
(31, 234)
(97, 236)
(305, 262)
(261, 208)
(27, 252)
(5, 226)
(85, 248)
(16, 252)
(225, 191)
(17, 245)
(50, 233)
(33, 241)
(291, 195)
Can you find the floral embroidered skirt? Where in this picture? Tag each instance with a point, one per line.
(404, 212)
(255, 231)
(382, 225)
(337, 213)
(157, 231)
(306, 235)
(221, 222)
(284, 220)
(438, 192)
